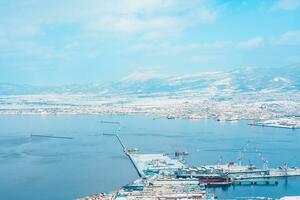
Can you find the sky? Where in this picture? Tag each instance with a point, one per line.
(82, 41)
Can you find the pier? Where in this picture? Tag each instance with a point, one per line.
(119, 139)
(50, 136)
(255, 182)
(127, 153)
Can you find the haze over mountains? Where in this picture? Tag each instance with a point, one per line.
(151, 83)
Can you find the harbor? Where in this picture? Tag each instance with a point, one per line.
(91, 163)
(165, 177)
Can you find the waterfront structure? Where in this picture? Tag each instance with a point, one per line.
(162, 177)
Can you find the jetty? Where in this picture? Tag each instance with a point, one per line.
(51, 136)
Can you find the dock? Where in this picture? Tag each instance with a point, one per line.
(255, 182)
(163, 177)
(148, 164)
(285, 172)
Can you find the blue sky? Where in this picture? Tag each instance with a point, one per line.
(80, 41)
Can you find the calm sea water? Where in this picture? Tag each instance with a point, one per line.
(60, 169)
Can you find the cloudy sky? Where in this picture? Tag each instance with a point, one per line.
(79, 41)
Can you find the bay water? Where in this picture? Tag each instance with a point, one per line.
(35, 168)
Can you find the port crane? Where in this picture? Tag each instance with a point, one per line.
(245, 149)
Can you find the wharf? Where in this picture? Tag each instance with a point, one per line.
(141, 190)
(162, 177)
(149, 164)
(271, 173)
(174, 181)
(285, 172)
(255, 182)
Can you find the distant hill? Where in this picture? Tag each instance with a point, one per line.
(236, 81)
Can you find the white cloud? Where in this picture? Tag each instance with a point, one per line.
(153, 19)
(251, 43)
(288, 38)
(75, 21)
(167, 48)
(286, 5)
(202, 51)
(144, 17)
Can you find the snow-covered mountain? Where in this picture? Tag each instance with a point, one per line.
(151, 84)
(236, 81)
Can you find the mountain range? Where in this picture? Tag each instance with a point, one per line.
(151, 83)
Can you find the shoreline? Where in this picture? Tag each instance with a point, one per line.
(295, 123)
